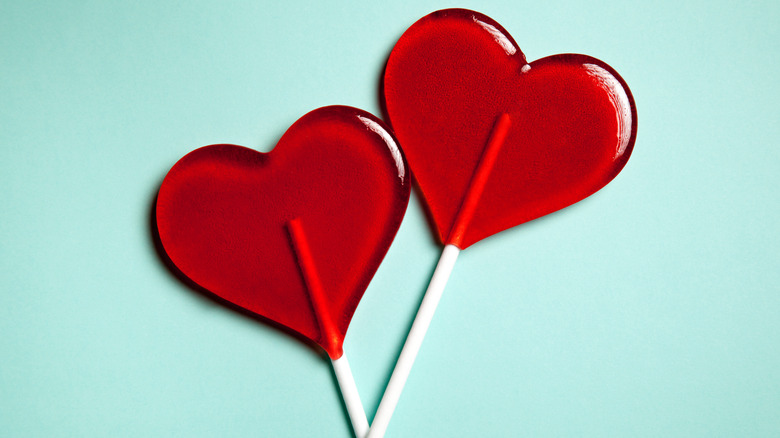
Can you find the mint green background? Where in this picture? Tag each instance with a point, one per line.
(650, 309)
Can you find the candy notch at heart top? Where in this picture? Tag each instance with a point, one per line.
(254, 228)
(560, 127)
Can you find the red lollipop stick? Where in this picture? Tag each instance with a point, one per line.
(349, 392)
(477, 185)
(439, 279)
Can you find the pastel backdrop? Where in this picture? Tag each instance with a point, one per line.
(649, 309)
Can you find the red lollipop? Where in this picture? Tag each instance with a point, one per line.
(294, 235)
(495, 141)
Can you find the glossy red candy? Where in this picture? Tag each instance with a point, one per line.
(300, 228)
(559, 128)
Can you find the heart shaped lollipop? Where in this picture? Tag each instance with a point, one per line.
(223, 213)
(296, 234)
(456, 80)
(495, 141)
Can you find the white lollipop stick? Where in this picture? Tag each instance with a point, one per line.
(413, 341)
(440, 276)
(349, 392)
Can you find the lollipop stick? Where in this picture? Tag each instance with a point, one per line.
(440, 276)
(413, 341)
(349, 393)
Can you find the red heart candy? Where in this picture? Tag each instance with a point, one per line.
(560, 128)
(300, 228)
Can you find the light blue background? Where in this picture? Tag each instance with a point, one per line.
(650, 309)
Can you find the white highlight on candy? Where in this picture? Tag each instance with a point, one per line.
(619, 99)
(394, 150)
(497, 35)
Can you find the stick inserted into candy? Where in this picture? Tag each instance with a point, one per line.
(349, 392)
(439, 280)
(495, 141)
